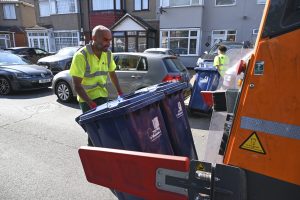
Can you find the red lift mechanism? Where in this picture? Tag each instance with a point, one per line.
(131, 172)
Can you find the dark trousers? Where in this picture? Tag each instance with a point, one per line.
(85, 107)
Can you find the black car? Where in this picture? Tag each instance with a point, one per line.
(16, 74)
(29, 53)
(60, 61)
(208, 57)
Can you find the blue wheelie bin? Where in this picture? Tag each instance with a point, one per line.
(134, 124)
(176, 118)
(207, 79)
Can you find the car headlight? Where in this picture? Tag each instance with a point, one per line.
(22, 75)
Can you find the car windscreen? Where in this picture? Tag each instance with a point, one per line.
(214, 49)
(11, 59)
(69, 51)
(174, 65)
(156, 52)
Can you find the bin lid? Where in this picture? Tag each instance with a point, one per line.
(116, 108)
(200, 69)
(126, 99)
(167, 88)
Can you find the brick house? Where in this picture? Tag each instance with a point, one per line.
(14, 18)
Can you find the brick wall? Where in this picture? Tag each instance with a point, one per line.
(104, 18)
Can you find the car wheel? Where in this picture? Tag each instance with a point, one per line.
(5, 87)
(63, 91)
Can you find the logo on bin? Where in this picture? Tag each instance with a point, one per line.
(180, 111)
(204, 79)
(156, 132)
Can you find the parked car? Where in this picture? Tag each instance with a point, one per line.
(60, 61)
(16, 74)
(208, 57)
(165, 51)
(29, 53)
(134, 71)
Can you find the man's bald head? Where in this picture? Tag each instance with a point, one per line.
(102, 37)
(99, 29)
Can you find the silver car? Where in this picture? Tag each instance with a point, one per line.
(134, 71)
(165, 51)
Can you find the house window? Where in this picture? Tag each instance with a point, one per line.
(223, 35)
(66, 39)
(141, 4)
(53, 7)
(261, 1)
(176, 3)
(106, 4)
(184, 42)
(44, 8)
(132, 41)
(9, 11)
(225, 2)
(4, 41)
(65, 6)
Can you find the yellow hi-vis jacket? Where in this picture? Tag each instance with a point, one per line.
(93, 71)
(222, 62)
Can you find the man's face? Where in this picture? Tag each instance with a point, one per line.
(102, 40)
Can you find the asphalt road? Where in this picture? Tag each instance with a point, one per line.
(39, 141)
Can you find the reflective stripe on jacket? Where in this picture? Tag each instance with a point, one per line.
(92, 79)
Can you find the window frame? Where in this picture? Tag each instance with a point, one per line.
(4, 11)
(201, 3)
(49, 12)
(54, 11)
(128, 57)
(57, 46)
(226, 34)
(189, 38)
(114, 6)
(142, 9)
(62, 13)
(226, 5)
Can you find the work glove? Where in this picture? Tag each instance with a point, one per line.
(93, 105)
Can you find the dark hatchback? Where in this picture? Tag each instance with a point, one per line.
(60, 61)
(16, 74)
(29, 53)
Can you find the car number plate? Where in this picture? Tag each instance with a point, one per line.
(45, 80)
